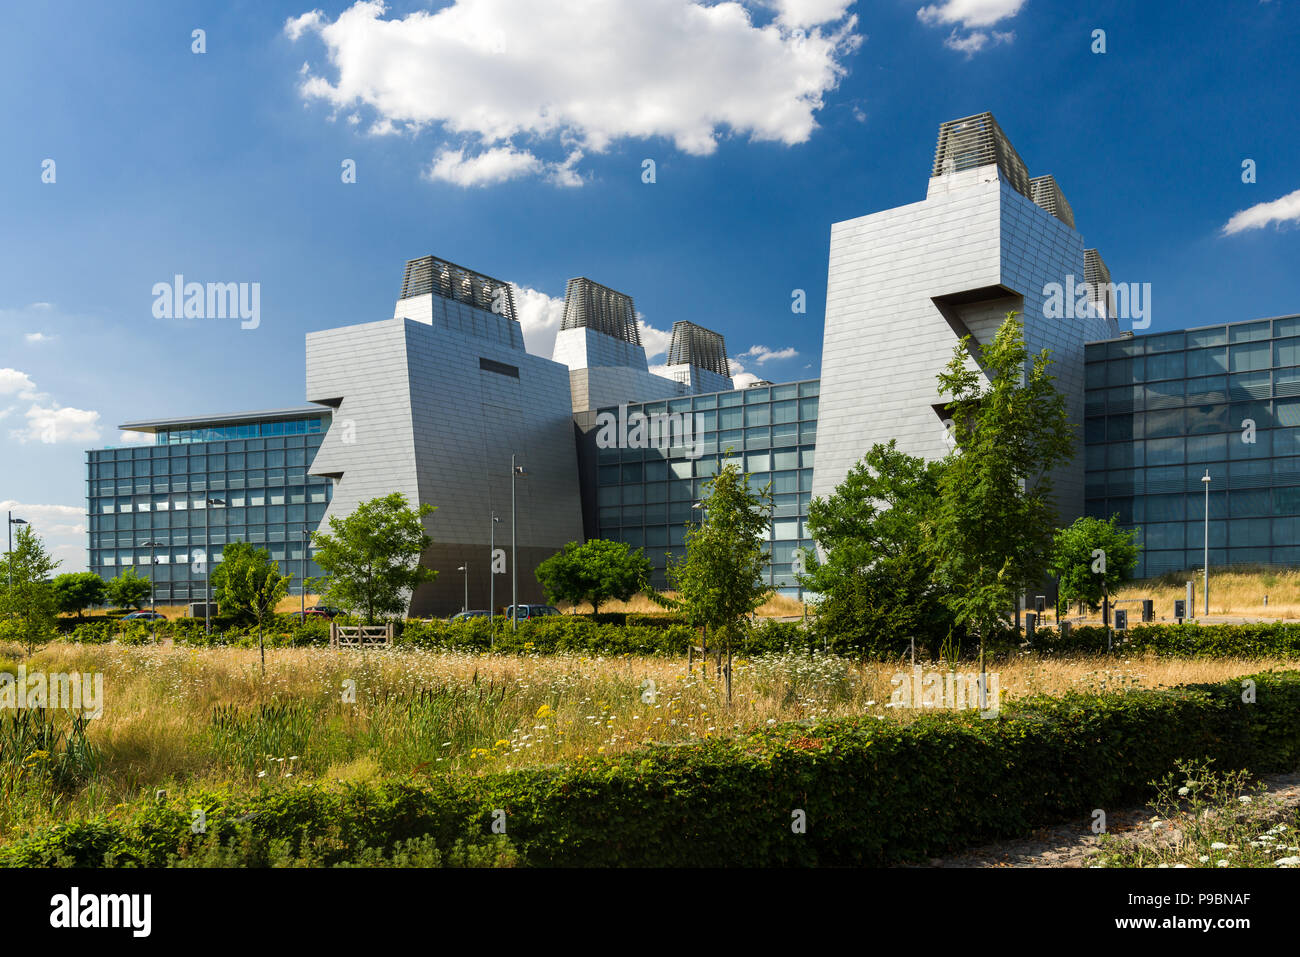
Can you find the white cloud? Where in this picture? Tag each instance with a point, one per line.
(36, 338)
(491, 166)
(762, 354)
(970, 13)
(135, 438)
(810, 13)
(1284, 210)
(51, 424)
(46, 423)
(656, 341)
(576, 76)
(61, 528)
(970, 16)
(740, 378)
(12, 381)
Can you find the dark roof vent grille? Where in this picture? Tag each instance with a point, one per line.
(430, 274)
(976, 141)
(694, 345)
(589, 305)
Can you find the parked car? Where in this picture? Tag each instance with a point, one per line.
(325, 610)
(531, 611)
(144, 616)
(473, 613)
(311, 614)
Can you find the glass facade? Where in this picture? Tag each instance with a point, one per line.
(645, 496)
(158, 493)
(1162, 409)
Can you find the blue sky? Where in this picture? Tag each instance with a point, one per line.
(510, 135)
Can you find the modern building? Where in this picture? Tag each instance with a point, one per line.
(442, 403)
(906, 284)
(252, 467)
(1165, 410)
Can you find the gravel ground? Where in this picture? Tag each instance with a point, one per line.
(1070, 845)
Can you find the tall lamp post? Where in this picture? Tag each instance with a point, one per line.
(306, 543)
(515, 470)
(9, 560)
(1205, 480)
(207, 567)
(492, 568)
(153, 594)
(465, 568)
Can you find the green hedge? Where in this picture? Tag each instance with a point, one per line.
(874, 792)
(1271, 639)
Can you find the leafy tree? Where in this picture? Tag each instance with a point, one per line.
(1084, 574)
(372, 557)
(26, 595)
(991, 531)
(247, 583)
(720, 580)
(74, 592)
(128, 590)
(594, 571)
(877, 583)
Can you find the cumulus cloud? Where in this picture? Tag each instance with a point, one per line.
(762, 354)
(968, 18)
(36, 338)
(656, 341)
(14, 382)
(52, 424)
(135, 438)
(574, 77)
(1279, 211)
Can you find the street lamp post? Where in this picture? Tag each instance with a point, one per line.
(515, 470)
(492, 569)
(207, 566)
(9, 554)
(465, 568)
(153, 593)
(1205, 480)
(302, 602)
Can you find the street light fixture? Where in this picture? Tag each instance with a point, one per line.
(1205, 480)
(515, 470)
(465, 568)
(9, 555)
(207, 566)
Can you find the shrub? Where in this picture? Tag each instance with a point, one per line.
(873, 792)
(1273, 639)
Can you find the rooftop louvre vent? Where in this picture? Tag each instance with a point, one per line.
(589, 305)
(1046, 192)
(694, 345)
(1097, 276)
(976, 141)
(441, 278)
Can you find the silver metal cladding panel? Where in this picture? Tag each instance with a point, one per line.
(886, 339)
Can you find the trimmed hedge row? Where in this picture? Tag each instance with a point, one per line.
(873, 792)
(1268, 639)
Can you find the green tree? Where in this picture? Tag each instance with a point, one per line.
(877, 583)
(372, 557)
(719, 582)
(74, 592)
(26, 596)
(1092, 557)
(248, 584)
(991, 531)
(128, 590)
(594, 571)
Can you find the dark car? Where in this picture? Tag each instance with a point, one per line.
(144, 616)
(473, 613)
(325, 610)
(311, 614)
(532, 611)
